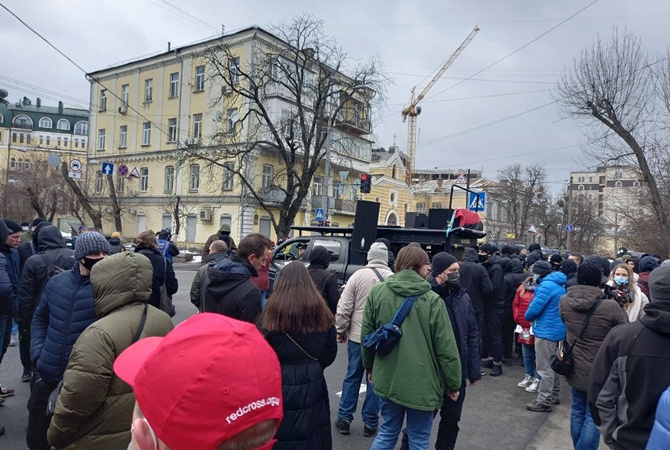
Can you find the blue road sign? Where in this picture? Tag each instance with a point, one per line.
(123, 170)
(318, 214)
(476, 203)
(569, 227)
(107, 168)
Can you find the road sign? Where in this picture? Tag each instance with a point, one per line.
(75, 165)
(569, 227)
(476, 203)
(318, 214)
(123, 170)
(107, 168)
(532, 229)
(53, 160)
(134, 173)
(461, 179)
(75, 175)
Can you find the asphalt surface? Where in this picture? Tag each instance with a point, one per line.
(494, 415)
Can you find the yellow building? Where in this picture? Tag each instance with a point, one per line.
(149, 116)
(389, 186)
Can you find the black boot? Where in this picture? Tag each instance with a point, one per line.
(497, 370)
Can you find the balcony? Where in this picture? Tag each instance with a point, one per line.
(337, 205)
(353, 125)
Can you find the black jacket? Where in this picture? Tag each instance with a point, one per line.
(9, 272)
(464, 324)
(475, 279)
(495, 298)
(227, 289)
(569, 268)
(163, 273)
(534, 257)
(512, 279)
(306, 424)
(325, 281)
(28, 249)
(39, 268)
(115, 245)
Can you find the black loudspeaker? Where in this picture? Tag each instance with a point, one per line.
(438, 219)
(365, 225)
(416, 220)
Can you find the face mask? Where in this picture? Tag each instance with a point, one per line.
(621, 281)
(90, 262)
(454, 278)
(483, 258)
(151, 430)
(25, 228)
(536, 277)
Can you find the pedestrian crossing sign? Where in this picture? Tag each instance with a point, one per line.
(477, 201)
(318, 214)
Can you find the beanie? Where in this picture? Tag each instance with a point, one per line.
(555, 260)
(659, 287)
(13, 226)
(589, 274)
(36, 221)
(441, 262)
(488, 248)
(648, 263)
(378, 252)
(507, 250)
(90, 243)
(534, 246)
(541, 268)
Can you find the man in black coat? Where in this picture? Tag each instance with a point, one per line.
(32, 247)
(325, 281)
(228, 288)
(512, 279)
(535, 254)
(475, 279)
(494, 305)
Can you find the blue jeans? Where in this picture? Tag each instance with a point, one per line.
(419, 424)
(585, 434)
(264, 298)
(350, 389)
(528, 351)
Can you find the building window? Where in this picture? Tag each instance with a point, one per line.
(48, 140)
(81, 128)
(58, 141)
(394, 171)
(30, 136)
(194, 177)
(174, 84)
(618, 175)
(148, 90)
(101, 139)
(41, 140)
(123, 136)
(580, 187)
(421, 208)
(23, 121)
(120, 183)
(76, 142)
(636, 184)
(19, 164)
(317, 186)
(144, 179)
(168, 186)
(266, 180)
(83, 143)
(228, 176)
(200, 78)
(63, 124)
(103, 100)
(146, 133)
(12, 163)
(232, 120)
(14, 137)
(65, 141)
(337, 189)
(197, 126)
(26, 164)
(125, 95)
(436, 205)
(590, 179)
(618, 184)
(45, 122)
(172, 130)
(234, 69)
(98, 182)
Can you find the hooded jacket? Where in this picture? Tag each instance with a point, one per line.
(533, 257)
(543, 310)
(425, 362)
(115, 245)
(631, 371)
(495, 271)
(53, 258)
(32, 247)
(95, 407)
(9, 266)
(512, 279)
(163, 274)
(574, 306)
(221, 235)
(326, 282)
(212, 260)
(228, 290)
(522, 300)
(569, 268)
(475, 279)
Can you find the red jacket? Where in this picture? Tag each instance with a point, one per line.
(262, 281)
(520, 305)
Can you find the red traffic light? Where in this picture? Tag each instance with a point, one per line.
(364, 176)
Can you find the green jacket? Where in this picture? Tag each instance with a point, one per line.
(94, 409)
(425, 363)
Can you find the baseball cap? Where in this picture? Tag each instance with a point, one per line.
(206, 381)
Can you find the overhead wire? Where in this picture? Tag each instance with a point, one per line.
(478, 97)
(181, 13)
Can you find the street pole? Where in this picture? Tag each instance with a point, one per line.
(569, 233)
(326, 178)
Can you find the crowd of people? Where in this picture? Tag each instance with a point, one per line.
(108, 369)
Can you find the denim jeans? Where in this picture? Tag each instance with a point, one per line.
(550, 382)
(585, 434)
(5, 333)
(264, 298)
(419, 425)
(528, 351)
(350, 389)
(492, 316)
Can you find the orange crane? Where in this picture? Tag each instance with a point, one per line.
(413, 110)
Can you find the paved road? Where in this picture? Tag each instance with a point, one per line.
(494, 415)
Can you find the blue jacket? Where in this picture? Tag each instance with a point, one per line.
(9, 280)
(63, 313)
(543, 310)
(660, 434)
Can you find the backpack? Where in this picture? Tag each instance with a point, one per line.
(51, 271)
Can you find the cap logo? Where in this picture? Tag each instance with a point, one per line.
(241, 411)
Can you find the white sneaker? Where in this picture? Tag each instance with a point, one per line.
(12, 341)
(527, 381)
(534, 386)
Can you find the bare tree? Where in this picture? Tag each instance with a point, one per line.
(621, 96)
(323, 91)
(81, 194)
(588, 226)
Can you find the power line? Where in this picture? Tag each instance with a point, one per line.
(182, 13)
(503, 94)
(480, 79)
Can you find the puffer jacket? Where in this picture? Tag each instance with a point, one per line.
(660, 434)
(306, 423)
(475, 279)
(425, 362)
(227, 289)
(522, 301)
(212, 260)
(65, 310)
(163, 273)
(8, 297)
(38, 268)
(543, 310)
(95, 406)
(573, 307)
(325, 281)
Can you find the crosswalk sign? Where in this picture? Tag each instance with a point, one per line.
(476, 202)
(318, 214)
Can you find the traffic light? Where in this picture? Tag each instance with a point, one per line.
(366, 183)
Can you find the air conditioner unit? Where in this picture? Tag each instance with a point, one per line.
(206, 215)
(226, 90)
(133, 193)
(132, 211)
(123, 108)
(192, 142)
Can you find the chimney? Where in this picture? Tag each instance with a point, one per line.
(439, 184)
(60, 107)
(38, 103)
(169, 46)
(26, 101)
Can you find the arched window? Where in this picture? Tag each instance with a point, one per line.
(393, 171)
(636, 184)
(23, 121)
(26, 164)
(12, 163)
(63, 124)
(580, 187)
(19, 165)
(2, 119)
(392, 219)
(81, 128)
(618, 184)
(45, 122)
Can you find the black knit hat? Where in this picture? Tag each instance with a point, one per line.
(541, 268)
(37, 220)
(13, 226)
(555, 260)
(441, 262)
(488, 248)
(589, 273)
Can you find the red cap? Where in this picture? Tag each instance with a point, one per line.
(206, 381)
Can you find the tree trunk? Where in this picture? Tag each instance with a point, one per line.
(115, 204)
(177, 217)
(95, 216)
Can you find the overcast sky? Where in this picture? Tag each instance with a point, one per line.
(413, 38)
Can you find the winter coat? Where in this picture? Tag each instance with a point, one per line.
(634, 310)
(425, 362)
(163, 273)
(495, 271)
(53, 257)
(262, 281)
(643, 282)
(573, 307)
(27, 236)
(522, 302)
(28, 249)
(8, 274)
(212, 260)
(351, 306)
(306, 423)
(63, 313)
(223, 236)
(475, 279)
(228, 290)
(543, 310)
(660, 434)
(167, 249)
(533, 257)
(512, 279)
(325, 281)
(464, 324)
(95, 407)
(115, 246)
(629, 375)
(569, 268)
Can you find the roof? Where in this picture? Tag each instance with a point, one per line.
(432, 185)
(73, 115)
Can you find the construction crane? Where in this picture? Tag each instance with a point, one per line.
(414, 109)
